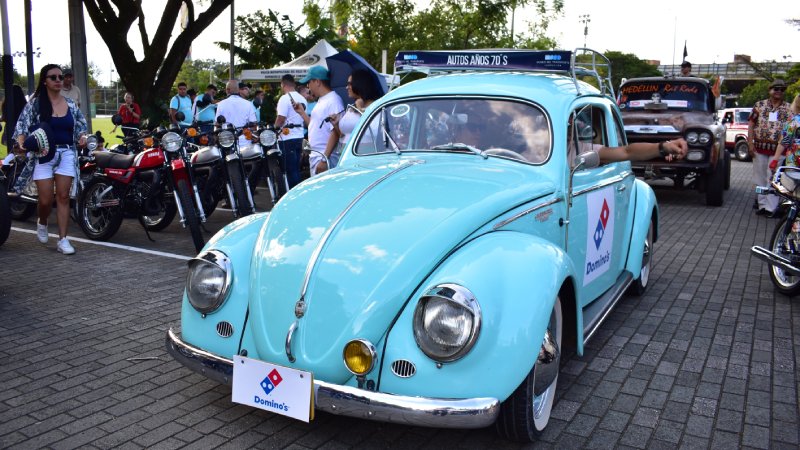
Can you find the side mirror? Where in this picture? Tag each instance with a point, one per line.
(719, 102)
(180, 116)
(587, 160)
(116, 119)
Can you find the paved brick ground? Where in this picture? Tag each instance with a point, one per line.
(706, 359)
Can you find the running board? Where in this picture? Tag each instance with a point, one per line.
(596, 312)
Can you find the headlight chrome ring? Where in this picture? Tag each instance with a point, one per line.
(209, 280)
(447, 322)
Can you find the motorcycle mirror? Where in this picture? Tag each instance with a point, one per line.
(220, 119)
(116, 119)
(179, 116)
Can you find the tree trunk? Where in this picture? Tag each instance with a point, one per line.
(150, 80)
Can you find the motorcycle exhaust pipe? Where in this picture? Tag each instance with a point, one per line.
(775, 260)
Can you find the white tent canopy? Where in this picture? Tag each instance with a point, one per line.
(297, 68)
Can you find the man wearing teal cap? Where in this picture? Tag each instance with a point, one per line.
(319, 125)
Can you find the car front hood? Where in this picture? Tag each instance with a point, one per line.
(364, 237)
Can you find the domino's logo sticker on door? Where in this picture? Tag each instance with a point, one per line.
(600, 233)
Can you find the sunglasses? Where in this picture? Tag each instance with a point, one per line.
(55, 77)
(779, 89)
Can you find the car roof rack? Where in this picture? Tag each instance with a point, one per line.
(582, 62)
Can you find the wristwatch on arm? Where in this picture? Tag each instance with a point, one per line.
(661, 150)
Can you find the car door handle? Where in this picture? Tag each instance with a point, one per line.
(621, 188)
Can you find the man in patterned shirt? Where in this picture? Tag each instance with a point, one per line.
(766, 122)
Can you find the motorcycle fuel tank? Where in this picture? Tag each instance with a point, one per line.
(150, 158)
(251, 151)
(206, 155)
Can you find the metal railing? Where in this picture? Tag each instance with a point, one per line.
(730, 70)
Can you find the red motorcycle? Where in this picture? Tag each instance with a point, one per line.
(152, 185)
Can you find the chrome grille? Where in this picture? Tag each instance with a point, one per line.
(225, 329)
(403, 368)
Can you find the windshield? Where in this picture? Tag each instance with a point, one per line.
(660, 95)
(458, 125)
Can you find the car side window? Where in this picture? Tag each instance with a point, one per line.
(587, 131)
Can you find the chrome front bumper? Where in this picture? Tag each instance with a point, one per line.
(353, 402)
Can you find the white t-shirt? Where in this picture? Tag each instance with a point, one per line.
(285, 109)
(237, 111)
(347, 124)
(328, 104)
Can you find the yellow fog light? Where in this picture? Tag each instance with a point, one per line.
(359, 356)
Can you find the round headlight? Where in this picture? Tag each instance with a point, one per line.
(704, 138)
(267, 138)
(225, 138)
(691, 137)
(359, 356)
(447, 322)
(171, 142)
(208, 281)
(91, 143)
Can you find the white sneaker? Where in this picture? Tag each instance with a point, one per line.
(65, 247)
(41, 232)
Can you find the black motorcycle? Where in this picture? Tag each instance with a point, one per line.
(221, 170)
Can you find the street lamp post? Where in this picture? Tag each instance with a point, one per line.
(585, 19)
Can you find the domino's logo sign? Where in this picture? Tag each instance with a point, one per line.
(411, 57)
(552, 57)
(600, 231)
(271, 382)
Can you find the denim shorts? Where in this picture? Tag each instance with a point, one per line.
(63, 163)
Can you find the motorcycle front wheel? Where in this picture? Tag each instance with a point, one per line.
(191, 220)
(99, 216)
(5, 213)
(787, 245)
(20, 209)
(239, 190)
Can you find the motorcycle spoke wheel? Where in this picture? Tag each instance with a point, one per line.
(98, 220)
(784, 281)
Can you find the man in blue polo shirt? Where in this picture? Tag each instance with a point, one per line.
(181, 102)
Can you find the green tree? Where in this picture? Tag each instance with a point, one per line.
(150, 79)
(628, 65)
(753, 93)
(198, 73)
(268, 40)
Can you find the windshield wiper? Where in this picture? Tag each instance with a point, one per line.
(460, 146)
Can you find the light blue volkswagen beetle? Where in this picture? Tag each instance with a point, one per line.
(438, 274)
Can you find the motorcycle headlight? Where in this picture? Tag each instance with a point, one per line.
(447, 322)
(691, 137)
(171, 142)
(704, 138)
(267, 138)
(91, 143)
(226, 138)
(208, 281)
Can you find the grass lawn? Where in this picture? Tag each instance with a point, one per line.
(103, 124)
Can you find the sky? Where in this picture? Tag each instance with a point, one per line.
(650, 30)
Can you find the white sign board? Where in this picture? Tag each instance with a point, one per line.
(273, 388)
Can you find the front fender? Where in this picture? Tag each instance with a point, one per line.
(645, 208)
(515, 278)
(237, 240)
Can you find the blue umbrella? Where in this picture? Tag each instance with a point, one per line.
(342, 64)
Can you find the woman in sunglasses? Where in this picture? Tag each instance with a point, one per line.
(55, 166)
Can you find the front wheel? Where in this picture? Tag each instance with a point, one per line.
(5, 213)
(190, 214)
(20, 209)
(785, 243)
(99, 210)
(727, 170)
(243, 205)
(524, 415)
(715, 184)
